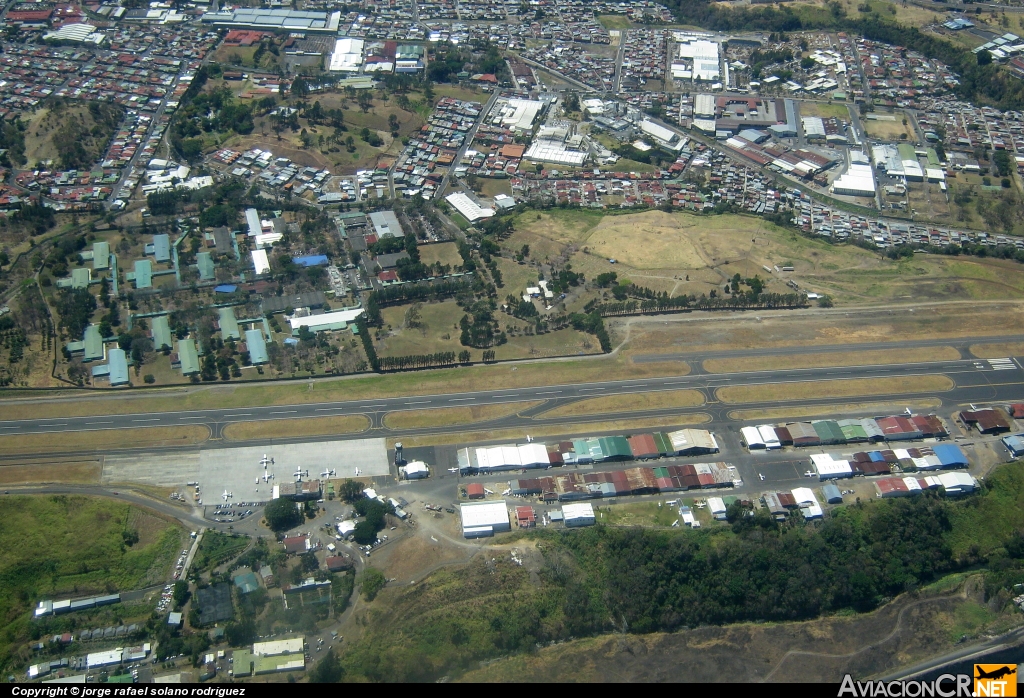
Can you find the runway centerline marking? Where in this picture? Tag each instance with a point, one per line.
(153, 419)
(240, 414)
(461, 399)
(419, 402)
(512, 395)
(284, 412)
(62, 424)
(108, 421)
(196, 417)
(550, 392)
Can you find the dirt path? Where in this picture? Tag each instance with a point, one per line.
(849, 655)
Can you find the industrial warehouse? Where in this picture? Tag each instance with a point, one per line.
(826, 432)
(595, 449)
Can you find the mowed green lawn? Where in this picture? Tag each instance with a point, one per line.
(61, 546)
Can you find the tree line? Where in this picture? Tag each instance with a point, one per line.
(440, 359)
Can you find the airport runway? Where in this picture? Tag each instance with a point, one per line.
(976, 380)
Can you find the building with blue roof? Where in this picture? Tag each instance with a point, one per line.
(313, 260)
(950, 455)
(161, 332)
(225, 288)
(1014, 444)
(257, 346)
(162, 247)
(832, 494)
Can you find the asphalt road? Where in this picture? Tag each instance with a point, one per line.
(975, 380)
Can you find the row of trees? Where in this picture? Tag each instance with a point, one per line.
(440, 359)
(664, 304)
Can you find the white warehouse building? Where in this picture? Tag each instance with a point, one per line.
(347, 56)
(482, 519)
(580, 514)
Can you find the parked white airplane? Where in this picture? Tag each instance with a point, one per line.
(227, 495)
(327, 473)
(300, 473)
(265, 461)
(266, 477)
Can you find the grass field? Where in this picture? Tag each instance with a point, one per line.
(575, 428)
(438, 331)
(59, 546)
(620, 404)
(419, 419)
(81, 473)
(834, 389)
(493, 187)
(830, 410)
(686, 253)
(853, 358)
(637, 514)
(889, 130)
(105, 439)
(443, 252)
(997, 351)
(216, 548)
(825, 110)
(313, 426)
(614, 21)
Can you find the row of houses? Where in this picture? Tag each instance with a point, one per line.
(596, 449)
(632, 481)
(825, 432)
(829, 466)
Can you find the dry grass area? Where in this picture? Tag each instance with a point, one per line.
(708, 333)
(889, 130)
(443, 252)
(855, 387)
(637, 402)
(854, 358)
(104, 439)
(997, 351)
(825, 110)
(830, 410)
(863, 645)
(277, 428)
(413, 557)
(448, 416)
(575, 428)
(72, 472)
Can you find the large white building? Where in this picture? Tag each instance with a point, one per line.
(481, 519)
(516, 114)
(469, 209)
(858, 180)
(579, 514)
(508, 457)
(278, 647)
(347, 56)
(705, 57)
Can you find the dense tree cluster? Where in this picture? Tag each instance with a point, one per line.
(649, 581)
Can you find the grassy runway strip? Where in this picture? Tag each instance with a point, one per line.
(799, 412)
(828, 359)
(855, 387)
(74, 472)
(997, 351)
(449, 416)
(278, 428)
(637, 402)
(104, 439)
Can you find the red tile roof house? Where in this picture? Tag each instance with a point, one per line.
(296, 544)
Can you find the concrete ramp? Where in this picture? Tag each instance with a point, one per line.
(158, 469)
